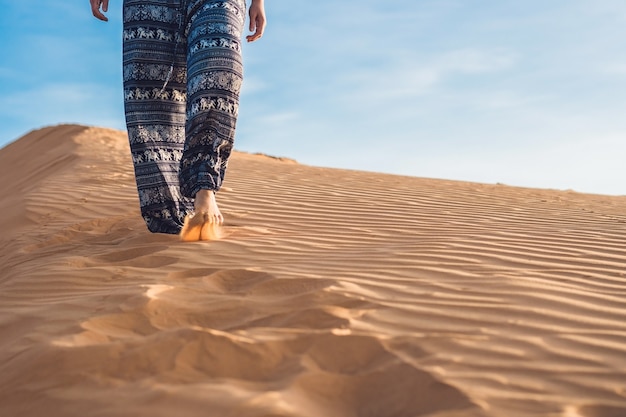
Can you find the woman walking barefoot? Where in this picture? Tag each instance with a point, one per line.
(183, 71)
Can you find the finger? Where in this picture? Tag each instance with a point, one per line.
(95, 10)
(252, 25)
(260, 24)
(99, 15)
(255, 36)
(259, 29)
(105, 5)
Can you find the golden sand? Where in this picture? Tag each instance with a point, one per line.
(333, 293)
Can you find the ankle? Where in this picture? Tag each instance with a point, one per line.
(203, 200)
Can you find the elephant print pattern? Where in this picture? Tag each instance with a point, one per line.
(183, 72)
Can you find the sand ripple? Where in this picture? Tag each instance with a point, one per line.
(333, 293)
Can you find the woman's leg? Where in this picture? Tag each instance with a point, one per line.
(155, 112)
(215, 73)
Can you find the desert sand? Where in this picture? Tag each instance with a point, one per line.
(332, 293)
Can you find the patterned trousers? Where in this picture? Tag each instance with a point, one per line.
(182, 76)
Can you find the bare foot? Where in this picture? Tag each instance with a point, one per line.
(205, 203)
(198, 227)
(205, 223)
(192, 229)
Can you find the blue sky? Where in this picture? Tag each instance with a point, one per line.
(527, 93)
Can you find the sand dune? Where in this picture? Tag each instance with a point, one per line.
(334, 293)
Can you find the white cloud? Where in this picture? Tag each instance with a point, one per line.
(497, 91)
(409, 76)
(503, 99)
(613, 68)
(475, 61)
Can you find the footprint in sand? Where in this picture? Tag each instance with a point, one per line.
(142, 257)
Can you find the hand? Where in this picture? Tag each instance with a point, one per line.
(257, 20)
(95, 9)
